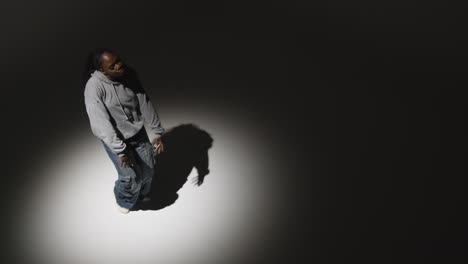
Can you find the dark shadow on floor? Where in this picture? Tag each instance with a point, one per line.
(186, 146)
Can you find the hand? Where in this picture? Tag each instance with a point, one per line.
(198, 180)
(125, 161)
(159, 146)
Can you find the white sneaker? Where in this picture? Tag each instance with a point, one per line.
(123, 210)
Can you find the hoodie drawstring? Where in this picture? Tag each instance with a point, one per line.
(121, 107)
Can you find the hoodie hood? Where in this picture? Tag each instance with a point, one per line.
(101, 76)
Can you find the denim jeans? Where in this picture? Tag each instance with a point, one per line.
(134, 181)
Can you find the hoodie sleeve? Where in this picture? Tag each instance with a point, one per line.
(99, 119)
(150, 115)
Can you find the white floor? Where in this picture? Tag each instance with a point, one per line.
(69, 215)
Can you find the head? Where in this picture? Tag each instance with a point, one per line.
(111, 65)
(105, 60)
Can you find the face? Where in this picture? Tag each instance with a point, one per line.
(112, 66)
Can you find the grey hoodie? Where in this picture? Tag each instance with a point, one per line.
(117, 112)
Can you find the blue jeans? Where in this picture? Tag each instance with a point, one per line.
(134, 182)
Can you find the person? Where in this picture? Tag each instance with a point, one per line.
(119, 109)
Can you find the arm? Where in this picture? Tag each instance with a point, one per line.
(150, 115)
(100, 120)
(201, 164)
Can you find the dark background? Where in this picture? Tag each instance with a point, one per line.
(363, 99)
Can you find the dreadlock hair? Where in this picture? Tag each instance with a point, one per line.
(93, 62)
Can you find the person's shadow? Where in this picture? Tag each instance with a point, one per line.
(185, 147)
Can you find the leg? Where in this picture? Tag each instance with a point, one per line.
(128, 185)
(145, 159)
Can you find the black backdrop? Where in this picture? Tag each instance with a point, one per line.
(366, 95)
